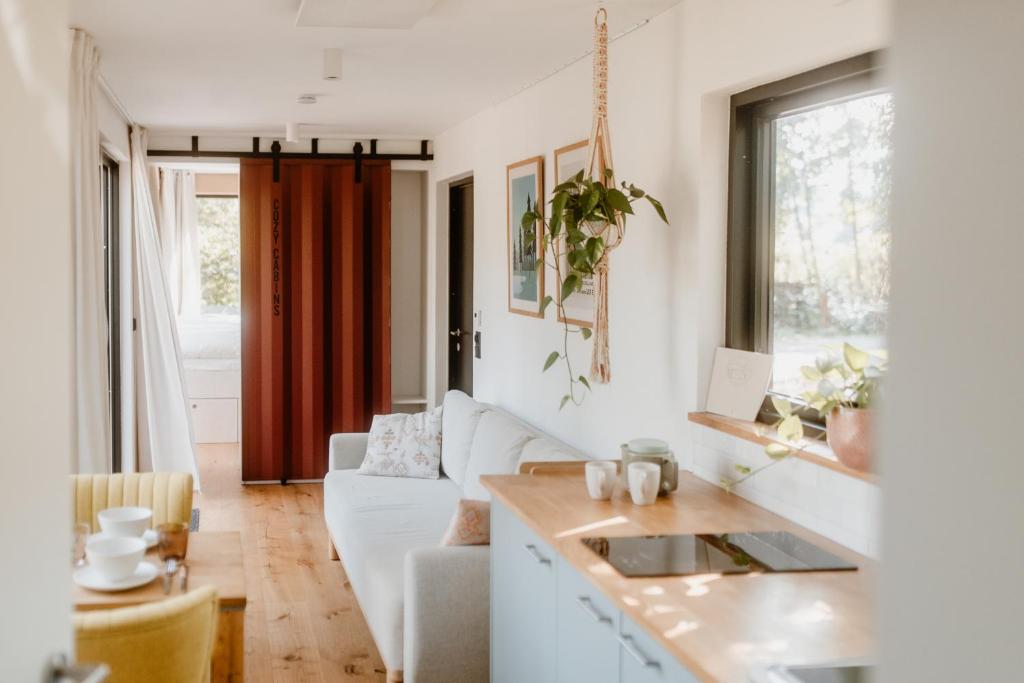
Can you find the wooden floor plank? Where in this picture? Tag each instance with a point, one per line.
(302, 622)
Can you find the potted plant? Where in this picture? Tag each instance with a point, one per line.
(575, 238)
(843, 391)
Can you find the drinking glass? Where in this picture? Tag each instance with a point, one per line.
(79, 537)
(172, 541)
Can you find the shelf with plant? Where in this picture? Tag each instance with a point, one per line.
(581, 211)
(843, 391)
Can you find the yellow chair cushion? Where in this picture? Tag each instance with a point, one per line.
(168, 494)
(170, 641)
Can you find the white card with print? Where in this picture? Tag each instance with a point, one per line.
(739, 381)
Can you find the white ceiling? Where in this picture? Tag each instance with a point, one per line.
(207, 65)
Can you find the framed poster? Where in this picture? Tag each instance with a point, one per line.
(524, 190)
(578, 308)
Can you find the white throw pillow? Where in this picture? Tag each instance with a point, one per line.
(403, 445)
(497, 447)
(458, 422)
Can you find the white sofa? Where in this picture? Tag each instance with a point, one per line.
(427, 606)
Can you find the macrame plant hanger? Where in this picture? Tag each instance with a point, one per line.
(599, 168)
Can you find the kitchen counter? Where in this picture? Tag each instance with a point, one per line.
(717, 626)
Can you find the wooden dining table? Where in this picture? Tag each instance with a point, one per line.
(214, 559)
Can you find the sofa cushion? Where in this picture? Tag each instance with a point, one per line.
(497, 446)
(459, 420)
(374, 522)
(546, 449)
(404, 445)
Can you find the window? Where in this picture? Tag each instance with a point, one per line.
(809, 229)
(112, 299)
(219, 254)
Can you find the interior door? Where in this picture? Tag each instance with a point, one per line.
(461, 343)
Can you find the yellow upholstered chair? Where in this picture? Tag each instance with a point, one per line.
(170, 641)
(168, 494)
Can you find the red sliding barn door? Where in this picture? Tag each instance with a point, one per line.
(316, 310)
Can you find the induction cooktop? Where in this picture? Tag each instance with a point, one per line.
(731, 553)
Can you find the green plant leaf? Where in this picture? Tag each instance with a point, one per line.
(569, 285)
(777, 451)
(557, 209)
(810, 373)
(552, 359)
(565, 399)
(658, 207)
(608, 173)
(855, 358)
(742, 469)
(782, 406)
(791, 429)
(618, 201)
(585, 331)
(584, 382)
(544, 305)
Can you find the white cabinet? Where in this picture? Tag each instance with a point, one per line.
(587, 630)
(550, 624)
(644, 660)
(214, 420)
(523, 589)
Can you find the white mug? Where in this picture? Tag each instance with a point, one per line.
(644, 479)
(600, 479)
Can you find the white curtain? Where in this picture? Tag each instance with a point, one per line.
(179, 239)
(164, 421)
(92, 407)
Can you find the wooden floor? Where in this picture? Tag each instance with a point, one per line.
(302, 622)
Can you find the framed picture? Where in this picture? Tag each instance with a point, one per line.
(524, 190)
(578, 308)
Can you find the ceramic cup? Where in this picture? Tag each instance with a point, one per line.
(644, 480)
(115, 558)
(600, 479)
(125, 521)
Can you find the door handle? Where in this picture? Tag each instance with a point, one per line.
(629, 645)
(457, 332)
(587, 605)
(532, 551)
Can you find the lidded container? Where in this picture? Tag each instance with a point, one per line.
(654, 451)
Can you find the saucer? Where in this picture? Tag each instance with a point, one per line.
(150, 537)
(86, 577)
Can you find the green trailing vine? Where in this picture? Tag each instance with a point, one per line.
(581, 210)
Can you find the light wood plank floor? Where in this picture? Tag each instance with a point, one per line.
(302, 622)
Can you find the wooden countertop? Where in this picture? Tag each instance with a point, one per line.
(214, 558)
(717, 626)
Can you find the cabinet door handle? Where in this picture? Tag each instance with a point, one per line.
(532, 551)
(587, 605)
(629, 645)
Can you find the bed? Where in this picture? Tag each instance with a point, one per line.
(211, 349)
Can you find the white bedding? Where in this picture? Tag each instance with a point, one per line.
(210, 337)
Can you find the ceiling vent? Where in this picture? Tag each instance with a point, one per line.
(395, 14)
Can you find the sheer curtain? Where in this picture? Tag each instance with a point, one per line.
(164, 422)
(92, 407)
(179, 239)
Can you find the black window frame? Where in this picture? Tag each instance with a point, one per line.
(750, 233)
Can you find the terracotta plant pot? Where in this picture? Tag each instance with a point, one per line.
(850, 433)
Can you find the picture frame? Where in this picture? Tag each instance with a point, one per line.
(524, 187)
(578, 309)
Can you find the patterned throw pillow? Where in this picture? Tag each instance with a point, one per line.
(471, 524)
(404, 445)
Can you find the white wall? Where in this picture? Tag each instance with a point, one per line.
(36, 311)
(408, 279)
(951, 592)
(670, 84)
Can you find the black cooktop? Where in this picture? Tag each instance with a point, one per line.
(732, 553)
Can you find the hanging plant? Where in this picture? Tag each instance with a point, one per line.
(582, 209)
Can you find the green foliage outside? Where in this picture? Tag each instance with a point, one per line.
(219, 254)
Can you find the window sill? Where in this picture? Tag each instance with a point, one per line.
(755, 432)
